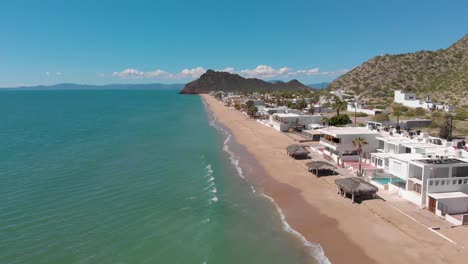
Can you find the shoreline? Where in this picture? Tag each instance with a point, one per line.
(253, 173)
(371, 232)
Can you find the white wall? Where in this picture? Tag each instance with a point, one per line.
(411, 196)
(455, 205)
(398, 168)
(363, 110)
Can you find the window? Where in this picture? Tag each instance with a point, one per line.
(439, 173)
(460, 172)
(436, 183)
(431, 183)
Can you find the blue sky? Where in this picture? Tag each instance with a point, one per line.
(100, 42)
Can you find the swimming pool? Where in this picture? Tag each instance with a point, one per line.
(382, 180)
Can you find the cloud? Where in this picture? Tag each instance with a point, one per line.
(229, 69)
(136, 74)
(129, 73)
(56, 73)
(261, 71)
(264, 71)
(192, 73)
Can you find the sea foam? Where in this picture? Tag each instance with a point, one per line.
(315, 250)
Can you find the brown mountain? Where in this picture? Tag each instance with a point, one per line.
(224, 81)
(441, 74)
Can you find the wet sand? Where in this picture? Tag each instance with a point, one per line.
(371, 232)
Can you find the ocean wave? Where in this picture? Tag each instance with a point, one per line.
(316, 250)
(210, 186)
(214, 199)
(209, 170)
(232, 156)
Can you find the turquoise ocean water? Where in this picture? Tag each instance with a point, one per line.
(127, 177)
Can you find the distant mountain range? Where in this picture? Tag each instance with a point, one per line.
(318, 86)
(72, 86)
(224, 81)
(441, 74)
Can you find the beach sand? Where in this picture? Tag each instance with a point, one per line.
(370, 232)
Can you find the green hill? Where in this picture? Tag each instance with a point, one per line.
(441, 74)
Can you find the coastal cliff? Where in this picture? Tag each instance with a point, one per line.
(224, 81)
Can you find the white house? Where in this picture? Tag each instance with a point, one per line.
(337, 142)
(283, 121)
(428, 171)
(440, 185)
(361, 107)
(410, 100)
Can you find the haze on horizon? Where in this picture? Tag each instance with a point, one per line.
(48, 42)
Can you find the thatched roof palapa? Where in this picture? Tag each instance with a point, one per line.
(297, 151)
(356, 186)
(292, 148)
(320, 165)
(301, 151)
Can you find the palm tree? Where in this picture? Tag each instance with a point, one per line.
(358, 143)
(325, 120)
(397, 110)
(250, 108)
(339, 105)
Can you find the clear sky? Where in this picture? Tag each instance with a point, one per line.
(115, 41)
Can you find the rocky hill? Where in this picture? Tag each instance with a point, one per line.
(224, 81)
(441, 74)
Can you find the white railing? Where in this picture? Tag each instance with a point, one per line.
(328, 142)
(448, 181)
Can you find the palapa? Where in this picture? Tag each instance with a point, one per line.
(356, 187)
(297, 151)
(320, 165)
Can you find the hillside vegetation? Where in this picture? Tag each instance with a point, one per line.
(441, 74)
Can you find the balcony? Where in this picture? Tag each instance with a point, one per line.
(329, 143)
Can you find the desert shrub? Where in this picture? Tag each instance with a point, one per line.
(381, 117)
(419, 111)
(361, 115)
(461, 114)
(340, 120)
(437, 114)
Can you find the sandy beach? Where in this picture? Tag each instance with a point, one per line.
(370, 232)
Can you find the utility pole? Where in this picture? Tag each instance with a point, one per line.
(450, 128)
(355, 105)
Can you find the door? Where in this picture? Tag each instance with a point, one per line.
(432, 204)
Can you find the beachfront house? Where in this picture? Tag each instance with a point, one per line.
(438, 184)
(284, 121)
(337, 143)
(428, 171)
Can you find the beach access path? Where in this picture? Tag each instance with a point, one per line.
(370, 232)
